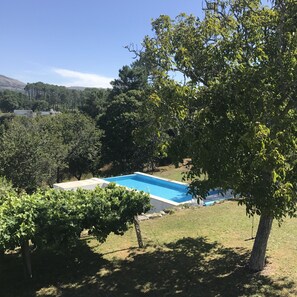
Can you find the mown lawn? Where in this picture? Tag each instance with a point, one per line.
(193, 252)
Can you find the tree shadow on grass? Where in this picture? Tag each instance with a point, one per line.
(50, 270)
(187, 267)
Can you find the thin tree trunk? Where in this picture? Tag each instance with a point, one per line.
(138, 232)
(26, 259)
(58, 174)
(78, 176)
(2, 251)
(257, 260)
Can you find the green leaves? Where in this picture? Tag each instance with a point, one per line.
(36, 152)
(17, 219)
(30, 153)
(236, 108)
(55, 218)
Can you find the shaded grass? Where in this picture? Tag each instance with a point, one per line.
(174, 173)
(170, 172)
(194, 252)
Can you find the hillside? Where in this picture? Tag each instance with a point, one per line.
(11, 84)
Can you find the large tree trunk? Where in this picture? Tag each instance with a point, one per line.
(26, 259)
(257, 260)
(138, 232)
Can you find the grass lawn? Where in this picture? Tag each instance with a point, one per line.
(170, 172)
(193, 252)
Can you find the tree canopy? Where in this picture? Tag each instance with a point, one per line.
(38, 151)
(10, 100)
(236, 103)
(124, 120)
(83, 143)
(30, 153)
(132, 77)
(119, 122)
(94, 104)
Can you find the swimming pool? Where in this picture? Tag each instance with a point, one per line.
(172, 191)
(164, 190)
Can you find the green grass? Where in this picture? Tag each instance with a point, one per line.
(193, 252)
(170, 172)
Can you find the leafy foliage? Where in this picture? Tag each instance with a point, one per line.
(125, 122)
(57, 97)
(82, 141)
(36, 152)
(95, 102)
(40, 105)
(41, 97)
(119, 123)
(17, 215)
(10, 100)
(52, 218)
(30, 153)
(237, 109)
(132, 77)
(5, 189)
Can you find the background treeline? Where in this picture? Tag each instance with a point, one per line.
(42, 97)
(96, 128)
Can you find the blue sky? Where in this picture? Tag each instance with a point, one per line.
(77, 43)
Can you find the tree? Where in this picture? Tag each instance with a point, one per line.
(132, 77)
(120, 122)
(236, 105)
(30, 152)
(83, 141)
(57, 97)
(11, 100)
(8, 101)
(95, 102)
(40, 105)
(5, 190)
(127, 142)
(38, 152)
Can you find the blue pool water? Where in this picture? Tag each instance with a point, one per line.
(165, 189)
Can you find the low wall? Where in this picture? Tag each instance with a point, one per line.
(159, 204)
(87, 184)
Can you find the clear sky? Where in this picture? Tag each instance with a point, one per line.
(77, 42)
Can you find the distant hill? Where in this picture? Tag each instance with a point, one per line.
(7, 83)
